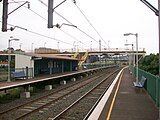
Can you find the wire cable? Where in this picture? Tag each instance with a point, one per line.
(68, 21)
(90, 23)
(46, 20)
(49, 37)
(56, 12)
(38, 34)
(31, 10)
(72, 37)
(87, 34)
(77, 27)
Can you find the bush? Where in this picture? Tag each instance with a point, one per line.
(150, 63)
(11, 94)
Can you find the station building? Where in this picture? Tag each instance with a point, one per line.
(38, 64)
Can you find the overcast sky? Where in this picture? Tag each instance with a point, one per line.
(111, 18)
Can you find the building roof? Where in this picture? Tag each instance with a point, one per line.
(53, 56)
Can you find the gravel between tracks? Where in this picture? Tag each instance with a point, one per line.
(43, 114)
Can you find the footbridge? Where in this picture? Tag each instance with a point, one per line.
(111, 54)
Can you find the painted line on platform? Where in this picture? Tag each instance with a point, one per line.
(114, 98)
(98, 110)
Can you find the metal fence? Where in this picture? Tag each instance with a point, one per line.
(3, 74)
(96, 65)
(29, 73)
(152, 84)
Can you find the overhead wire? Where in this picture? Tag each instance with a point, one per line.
(46, 20)
(87, 34)
(38, 34)
(69, 21)
(89, 22)
(49, 37)
(31, 10)
(35, 32)
(55, 12)
(72, 37)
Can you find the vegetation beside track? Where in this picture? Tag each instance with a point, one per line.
(150, 63)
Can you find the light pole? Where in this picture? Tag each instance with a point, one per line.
(20, 45)
(9, 57)
(136, 34)
(32, 47)
(100, 51)
(108, 44)
(58, 46)
(99, 45)
(91, 46)
(74, 46)
(44, 44)
(133, 58)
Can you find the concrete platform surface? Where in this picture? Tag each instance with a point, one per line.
(40, 78)
(130, 103)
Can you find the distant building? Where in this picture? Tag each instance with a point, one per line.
(43, 50)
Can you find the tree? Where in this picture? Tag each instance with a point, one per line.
(150, 63)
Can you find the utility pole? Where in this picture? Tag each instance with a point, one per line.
(157, 13)
(159, 54)
(99, 45)
(9, 57)
(32, 51)
(159, 32)
(100, 51)
(51, 10)
(136, 35)
(5, 16)
(136, 56)
(50, 13)
(58, 46)
(133, 57)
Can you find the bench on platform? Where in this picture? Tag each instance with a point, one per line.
(140, 83)
(19, 74)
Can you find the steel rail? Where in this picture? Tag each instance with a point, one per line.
(54, 100)
(74, 103)
(96, 103)
(42, 97)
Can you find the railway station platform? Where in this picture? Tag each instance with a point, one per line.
(19, 82)
(127, 102)
(22, 82)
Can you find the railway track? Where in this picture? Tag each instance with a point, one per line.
(40, 106)
(82, 107)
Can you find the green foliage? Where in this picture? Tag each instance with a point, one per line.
(11, 94)
(150, 64)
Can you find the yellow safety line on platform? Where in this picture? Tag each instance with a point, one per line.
(113, 100)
